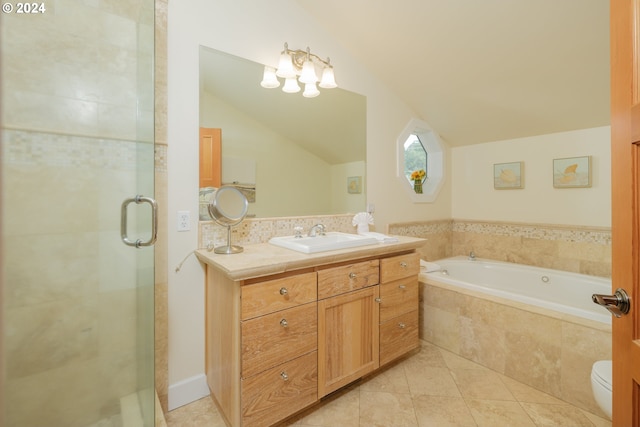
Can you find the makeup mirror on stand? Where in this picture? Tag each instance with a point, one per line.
(228, 207)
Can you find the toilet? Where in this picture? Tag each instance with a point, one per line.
(601, 379)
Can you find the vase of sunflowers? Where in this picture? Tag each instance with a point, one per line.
(418, 178)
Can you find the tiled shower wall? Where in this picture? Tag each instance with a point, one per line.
(585, 250)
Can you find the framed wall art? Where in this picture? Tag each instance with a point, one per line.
(572, 172)
(354, 184)
(508, 176)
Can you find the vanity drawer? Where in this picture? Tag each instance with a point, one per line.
(398, 297)
(339, 280)
(278, 294)
(280, 392)
(398, 336)
(274, 338)
(397, 267)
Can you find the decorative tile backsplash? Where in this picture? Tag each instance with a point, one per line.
(260, 230)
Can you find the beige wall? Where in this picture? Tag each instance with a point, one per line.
(475, 198)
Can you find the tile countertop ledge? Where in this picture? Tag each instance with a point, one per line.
(264, 259)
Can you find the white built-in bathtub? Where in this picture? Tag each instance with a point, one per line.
(561, 291)
(536, 325)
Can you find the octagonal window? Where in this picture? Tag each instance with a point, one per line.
(420, 166)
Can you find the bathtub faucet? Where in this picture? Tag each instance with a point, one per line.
(472, 256)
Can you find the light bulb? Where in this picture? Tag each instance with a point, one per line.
(269, 79)
(308, 74)
(310, 90)
(285, 66)
(328, 79)
(291, 85)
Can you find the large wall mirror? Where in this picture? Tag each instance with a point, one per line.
(291, 155)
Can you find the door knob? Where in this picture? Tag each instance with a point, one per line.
(618, 303)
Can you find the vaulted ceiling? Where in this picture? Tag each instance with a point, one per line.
(480, 71)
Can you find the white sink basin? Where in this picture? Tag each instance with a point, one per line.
(329, 242)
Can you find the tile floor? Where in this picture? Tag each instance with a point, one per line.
(433, 387)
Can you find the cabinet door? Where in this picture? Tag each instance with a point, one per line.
(348, 340)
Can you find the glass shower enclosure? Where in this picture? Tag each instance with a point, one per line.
(77, 140)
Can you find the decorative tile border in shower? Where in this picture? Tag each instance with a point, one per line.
(30, 148)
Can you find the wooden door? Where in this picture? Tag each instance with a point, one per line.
(625, 198)
(210, 157)
(348, 339)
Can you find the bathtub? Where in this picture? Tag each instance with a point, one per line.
(535, 325)
(560, 291)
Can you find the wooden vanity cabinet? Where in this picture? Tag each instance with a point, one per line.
(277, 344)
(399, 315)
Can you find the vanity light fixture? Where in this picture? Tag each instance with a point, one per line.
(299, 66)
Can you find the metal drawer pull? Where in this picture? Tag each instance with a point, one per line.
(403, 264)
(284, 376)
(402, 286)
(352, 275)
(154, 221)
(284, 323)
(401, 325)
(378, 300)
(283, 291)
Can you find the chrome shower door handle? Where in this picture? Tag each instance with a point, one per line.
(618, 303)
(154, 221)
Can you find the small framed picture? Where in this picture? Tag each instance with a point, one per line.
(354, 184)
(508, 176)
(572, 172)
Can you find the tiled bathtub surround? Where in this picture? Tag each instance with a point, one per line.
(585, 250)
(541, 348)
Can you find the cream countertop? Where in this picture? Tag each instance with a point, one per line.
(265, 259)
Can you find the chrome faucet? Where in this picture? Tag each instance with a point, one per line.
(472, 256)
(319, 227)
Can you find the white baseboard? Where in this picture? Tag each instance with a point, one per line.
(187, 391)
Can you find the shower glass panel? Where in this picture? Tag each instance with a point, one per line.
(77, 119)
